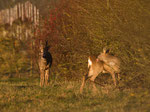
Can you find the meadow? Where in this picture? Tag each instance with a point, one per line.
(25, 95)
(76, 29)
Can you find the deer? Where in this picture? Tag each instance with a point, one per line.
(112, 61)
(45, 64)
(103, 64)
(47, 56)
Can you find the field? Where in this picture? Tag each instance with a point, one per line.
(25, 95)
(76, 29)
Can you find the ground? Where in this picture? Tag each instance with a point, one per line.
(25, 95)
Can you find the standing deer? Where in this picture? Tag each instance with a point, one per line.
(47, 56)
(112, 61)
(97, 66)
(45, 64)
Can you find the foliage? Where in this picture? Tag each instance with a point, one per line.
(76, 29)
(13, 58)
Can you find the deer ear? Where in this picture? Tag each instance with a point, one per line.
(104, 50)
(48, 47)
(46, 43)
(107, 51)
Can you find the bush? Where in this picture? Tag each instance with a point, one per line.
(75, 29)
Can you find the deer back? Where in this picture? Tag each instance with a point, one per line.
(95, 66)
(110, 60)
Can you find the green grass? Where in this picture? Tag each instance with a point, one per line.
(25, 95)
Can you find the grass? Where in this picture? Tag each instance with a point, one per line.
(25, 95)
(123, 28)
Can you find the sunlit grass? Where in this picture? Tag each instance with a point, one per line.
(25, 95)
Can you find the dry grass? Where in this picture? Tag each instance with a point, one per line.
(25, 95)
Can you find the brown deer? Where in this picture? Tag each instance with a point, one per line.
(112, 61)
(45, 63)
(98, 65)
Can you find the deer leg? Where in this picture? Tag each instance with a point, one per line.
(42, 78)
(85, 77)
(118, 76)
(93, 84)
(46, 76)
(114, 79)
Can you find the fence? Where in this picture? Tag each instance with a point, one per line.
(23, 11)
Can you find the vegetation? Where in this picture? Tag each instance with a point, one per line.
(16, 51)
(25, 95)
(76, 29)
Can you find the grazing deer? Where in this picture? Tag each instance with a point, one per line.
(45, 64)
(112, 61)
(98, 65)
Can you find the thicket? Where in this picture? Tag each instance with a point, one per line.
(76, 29)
